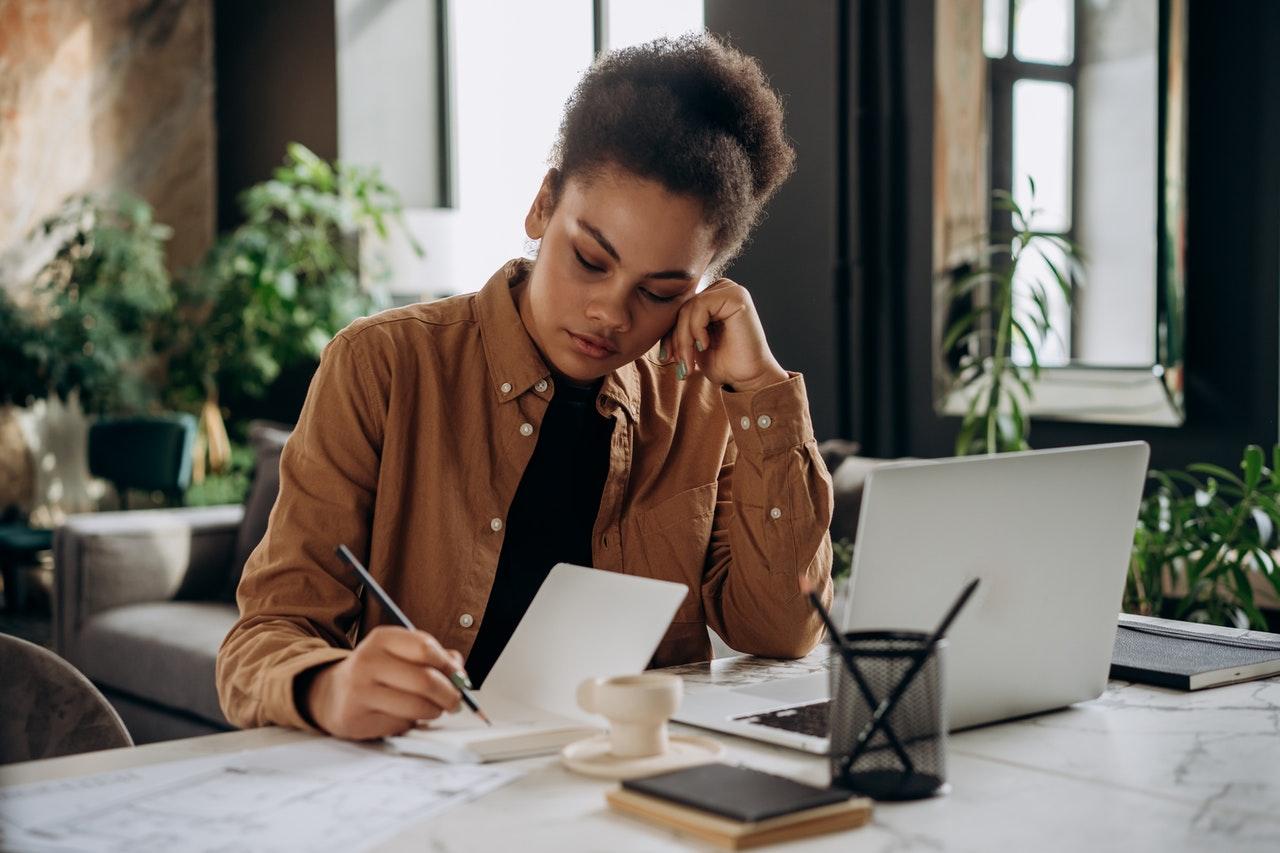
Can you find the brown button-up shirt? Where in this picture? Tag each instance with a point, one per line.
(413, 438)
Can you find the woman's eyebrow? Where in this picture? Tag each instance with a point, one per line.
(679, 275)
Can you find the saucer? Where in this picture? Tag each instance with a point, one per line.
(594, 757)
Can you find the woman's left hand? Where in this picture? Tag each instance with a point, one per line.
(718, 332)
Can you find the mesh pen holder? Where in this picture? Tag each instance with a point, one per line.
(904, 757)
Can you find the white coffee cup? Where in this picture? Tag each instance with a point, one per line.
(637, 708)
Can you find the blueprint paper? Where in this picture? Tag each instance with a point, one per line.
(320, 794)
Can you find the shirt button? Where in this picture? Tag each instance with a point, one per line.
(745, 422)
(506, 387)
(495, 524)
(465, 620)
(764, 421)
(540, 386)
(775, 513)
(526, 429)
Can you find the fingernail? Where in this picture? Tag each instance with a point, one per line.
(680, 370)
(662, 352)
(697, 343)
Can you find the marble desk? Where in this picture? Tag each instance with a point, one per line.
(1138, 769)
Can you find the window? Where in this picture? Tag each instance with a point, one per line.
(459, 103)
(1031, 48)
(630, 22)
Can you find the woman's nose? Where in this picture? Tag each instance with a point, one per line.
(608, 307)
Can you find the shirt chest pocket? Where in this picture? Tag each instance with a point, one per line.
(676, 534)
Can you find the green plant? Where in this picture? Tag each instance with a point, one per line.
(989, 314)
(95, 304)
(19, 368)
(1199, 540)
(274, 291)
(841, 558)
(227, 487)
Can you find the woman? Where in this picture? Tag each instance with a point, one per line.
(589, 407)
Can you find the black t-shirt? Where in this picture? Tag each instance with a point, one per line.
(551, 517)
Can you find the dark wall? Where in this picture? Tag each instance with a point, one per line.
(276, 82)
(1233, 228)
(789, 266)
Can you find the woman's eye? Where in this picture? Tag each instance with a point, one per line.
(653, 297)
(585, 264)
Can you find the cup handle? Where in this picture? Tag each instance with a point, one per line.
(587, 695)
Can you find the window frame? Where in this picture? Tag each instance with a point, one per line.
(1002, 73)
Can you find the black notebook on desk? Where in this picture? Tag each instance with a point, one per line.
(736, 792)
(737, 807)
(1190, 656)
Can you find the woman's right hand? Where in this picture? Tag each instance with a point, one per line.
(394, 678)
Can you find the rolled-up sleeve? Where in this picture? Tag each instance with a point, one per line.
(298, 607)
(770, 533)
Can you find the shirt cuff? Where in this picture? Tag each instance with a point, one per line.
(771, 419)
(281, 696)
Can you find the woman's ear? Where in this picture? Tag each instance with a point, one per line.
(539, 215)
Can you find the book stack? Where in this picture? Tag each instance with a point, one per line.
(736, 807)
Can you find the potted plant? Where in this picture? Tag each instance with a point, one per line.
(994, 304)
(1203, 534)
(95, 304)
(272, 293)
(82, 340)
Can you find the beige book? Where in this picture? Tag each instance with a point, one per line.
(737, 835)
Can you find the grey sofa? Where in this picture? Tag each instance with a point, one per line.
(139, 609)
(143, 599)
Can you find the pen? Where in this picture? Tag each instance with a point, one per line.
(847, 655)
(457, 679)
(887, 704)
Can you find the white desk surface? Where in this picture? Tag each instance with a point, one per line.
(1138, 769)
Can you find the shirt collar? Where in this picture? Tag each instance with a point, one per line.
(515, 364)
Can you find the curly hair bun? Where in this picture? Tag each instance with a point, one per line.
(691, 113)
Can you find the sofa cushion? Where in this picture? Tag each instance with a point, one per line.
(163, 652)
(848, 476)
(267, 440)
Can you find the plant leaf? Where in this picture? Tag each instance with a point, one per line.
(1252, 465)
(1215, 471)
(1031, 347)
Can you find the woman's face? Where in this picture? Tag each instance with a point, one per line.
(619, 256)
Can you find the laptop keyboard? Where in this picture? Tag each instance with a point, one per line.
(811, 719)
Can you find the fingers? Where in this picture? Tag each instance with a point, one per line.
(693, 335)
(413, 663)
(422, 682)
(381, 699)
(417, 647)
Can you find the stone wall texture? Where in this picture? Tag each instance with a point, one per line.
(114, 94)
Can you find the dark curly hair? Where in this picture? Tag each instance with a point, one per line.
(691, 113)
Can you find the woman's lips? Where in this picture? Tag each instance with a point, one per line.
(590, 348)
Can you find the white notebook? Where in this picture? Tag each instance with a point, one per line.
(582, 623)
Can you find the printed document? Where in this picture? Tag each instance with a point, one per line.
(321, 794)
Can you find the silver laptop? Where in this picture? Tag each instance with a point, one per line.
(1049, 532)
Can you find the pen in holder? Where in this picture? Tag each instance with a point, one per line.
(902, 755)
